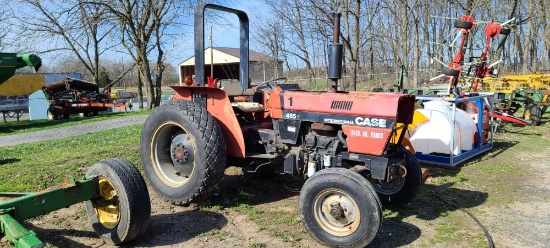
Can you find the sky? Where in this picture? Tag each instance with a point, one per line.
(225, 34)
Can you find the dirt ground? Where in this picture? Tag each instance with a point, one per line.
(248, 211)
(176, 226)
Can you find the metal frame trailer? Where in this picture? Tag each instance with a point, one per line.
(113, 190)
(482, 102)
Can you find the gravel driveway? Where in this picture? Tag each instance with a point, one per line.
(63, 132)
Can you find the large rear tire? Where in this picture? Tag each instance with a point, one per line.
(182, 151)
(339, 208)
(128, 214)
(405, 187)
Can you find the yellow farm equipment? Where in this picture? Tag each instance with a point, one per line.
(514, 91)
(510, 83)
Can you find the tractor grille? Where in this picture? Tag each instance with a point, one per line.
(341, 105)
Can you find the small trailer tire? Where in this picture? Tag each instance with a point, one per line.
(463, 24)
(533, 113)
(505, 31)
(339, 208)
(119, 182)
(450, 72)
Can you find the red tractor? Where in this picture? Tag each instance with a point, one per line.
(346, 144)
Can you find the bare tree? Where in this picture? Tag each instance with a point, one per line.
(269, 35)
(293, 15)
(511, 15)
(75, 26)
(141, 24)
(4, 29)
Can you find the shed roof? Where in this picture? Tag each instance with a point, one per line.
(226, 55)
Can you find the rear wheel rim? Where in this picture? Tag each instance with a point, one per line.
(172, 154)
(393, 186)
(336, 212)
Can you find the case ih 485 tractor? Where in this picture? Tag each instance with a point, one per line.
(347, 144)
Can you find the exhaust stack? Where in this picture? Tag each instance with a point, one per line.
(335, 55)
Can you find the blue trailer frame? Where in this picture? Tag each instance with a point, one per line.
(482, 101)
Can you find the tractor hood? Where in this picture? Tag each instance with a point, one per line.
(361, 108)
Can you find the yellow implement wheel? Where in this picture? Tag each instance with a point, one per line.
(121, 208)
(108, 216)
(533, 113)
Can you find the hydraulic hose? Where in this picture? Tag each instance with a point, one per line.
(489, 239)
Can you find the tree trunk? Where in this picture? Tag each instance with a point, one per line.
(417, 52)
(140, 86)
(500, 47)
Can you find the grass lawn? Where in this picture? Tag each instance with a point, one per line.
(36, 166)
(15, 127)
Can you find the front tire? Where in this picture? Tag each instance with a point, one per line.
(121, 184)
(339, 208)
(182, 151)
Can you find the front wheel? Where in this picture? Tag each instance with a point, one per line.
(405, 180)
(122, 208)
(339, 208)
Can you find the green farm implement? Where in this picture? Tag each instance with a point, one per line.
(515, 91)
(9, 62)
(115, 195)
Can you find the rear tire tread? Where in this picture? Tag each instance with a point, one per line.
(210, 140)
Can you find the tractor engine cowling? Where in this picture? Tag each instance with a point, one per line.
(368, 120)
(342, 129)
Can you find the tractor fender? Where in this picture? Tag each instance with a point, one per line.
(218, 105)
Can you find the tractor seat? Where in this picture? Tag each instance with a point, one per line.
(233, 88)
(248, 107)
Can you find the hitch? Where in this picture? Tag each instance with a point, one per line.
(30, 205)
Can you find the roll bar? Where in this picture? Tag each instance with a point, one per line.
(199, 43)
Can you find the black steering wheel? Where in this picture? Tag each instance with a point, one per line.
(271, 83)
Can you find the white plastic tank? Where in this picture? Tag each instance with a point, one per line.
(435, 135)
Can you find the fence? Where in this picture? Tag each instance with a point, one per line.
(370, 81)
(386, 80)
